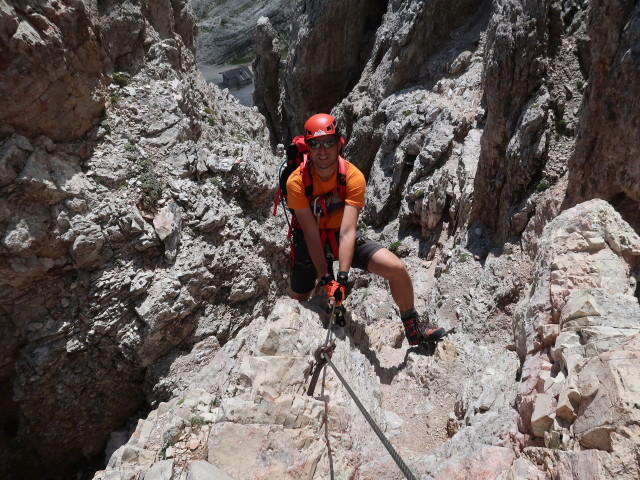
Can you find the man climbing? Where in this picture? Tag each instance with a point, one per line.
(326, 194)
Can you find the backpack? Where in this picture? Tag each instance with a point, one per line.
(297, 157)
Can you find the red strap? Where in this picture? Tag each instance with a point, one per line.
(330, 234)
(325, 234)
(307, 178)
(275, 203)
(300, 144)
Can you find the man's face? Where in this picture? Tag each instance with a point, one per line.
(323, 152)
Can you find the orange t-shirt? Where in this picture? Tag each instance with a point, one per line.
(296, 199)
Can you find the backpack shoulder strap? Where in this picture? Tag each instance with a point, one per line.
(342, 177)
(307, 177)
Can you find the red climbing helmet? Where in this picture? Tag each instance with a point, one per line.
(319, 125)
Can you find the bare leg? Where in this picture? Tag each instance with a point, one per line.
(390, 267)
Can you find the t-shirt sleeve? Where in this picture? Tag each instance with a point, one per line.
(356, 186)
(296, 199)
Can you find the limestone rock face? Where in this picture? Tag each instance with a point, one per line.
(610, 108)
(252, 395)
(515, 145)
(261, 405)
(559, 97)
(52, 70)
(106, 197)
(266, 67)
(140, 268)
(55, 61)
(578, 333)
(227, 29)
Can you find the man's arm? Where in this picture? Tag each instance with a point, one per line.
(348, 237)
(312, 236)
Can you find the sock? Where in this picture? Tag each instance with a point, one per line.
(408, 313)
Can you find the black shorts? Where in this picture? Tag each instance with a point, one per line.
(304, 273)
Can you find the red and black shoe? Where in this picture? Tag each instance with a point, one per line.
(418, 332)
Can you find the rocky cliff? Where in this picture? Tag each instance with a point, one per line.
(227, 27)
(133, 198)
(143, 299)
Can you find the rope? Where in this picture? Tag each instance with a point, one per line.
(403, 467)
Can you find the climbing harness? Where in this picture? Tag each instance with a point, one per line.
(323, 356)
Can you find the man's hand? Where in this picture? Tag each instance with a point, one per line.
(335, 290)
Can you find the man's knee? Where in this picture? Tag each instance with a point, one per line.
(388, 265)
(397, 268)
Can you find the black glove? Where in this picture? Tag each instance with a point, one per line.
(333, 289)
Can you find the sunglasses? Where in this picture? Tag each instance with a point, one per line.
(329, 143)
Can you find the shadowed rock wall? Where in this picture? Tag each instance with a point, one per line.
(330, 45)
(561, 85)
(605, 164)
(51, 64)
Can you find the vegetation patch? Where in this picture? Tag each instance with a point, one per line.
(562, 127)
(151, 186)
(241, 138)
(542, 185)
(130, 148)
(121, 79)
(395, 246)
(197, 420)
(463, 257)
(150, 183)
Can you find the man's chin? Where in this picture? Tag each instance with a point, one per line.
(326, 167)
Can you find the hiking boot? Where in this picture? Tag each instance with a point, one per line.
(418, 331)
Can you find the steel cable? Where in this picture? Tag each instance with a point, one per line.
(403, 467)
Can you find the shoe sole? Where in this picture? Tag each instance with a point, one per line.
(430, 341)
